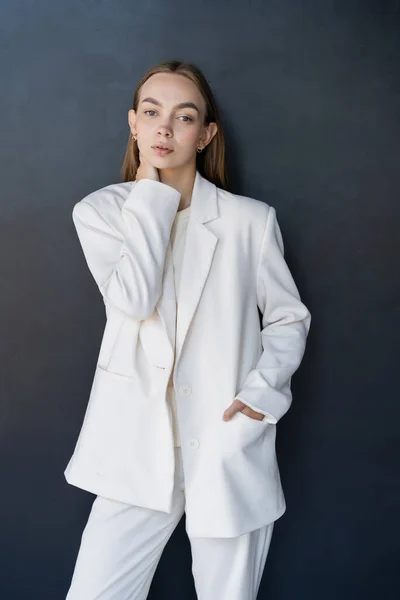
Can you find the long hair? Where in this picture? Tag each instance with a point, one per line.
(211, 161)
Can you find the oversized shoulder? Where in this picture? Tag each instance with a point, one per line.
(250, 218)
(101, 209)
(245, 208)
(107, 203)
(110, 197)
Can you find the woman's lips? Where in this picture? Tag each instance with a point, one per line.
(161, 151)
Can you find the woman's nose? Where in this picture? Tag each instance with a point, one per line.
(165, 129)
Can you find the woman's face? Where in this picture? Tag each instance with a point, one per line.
(160, 120)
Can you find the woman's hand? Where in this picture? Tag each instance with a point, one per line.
(146, 170)
(238, 406)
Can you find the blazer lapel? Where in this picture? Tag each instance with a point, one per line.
(199, 250)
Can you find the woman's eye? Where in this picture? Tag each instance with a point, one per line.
(181, 117)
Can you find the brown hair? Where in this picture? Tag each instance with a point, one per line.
(211, 161)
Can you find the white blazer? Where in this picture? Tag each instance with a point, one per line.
(233, 264)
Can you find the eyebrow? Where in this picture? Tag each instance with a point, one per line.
(180, 105)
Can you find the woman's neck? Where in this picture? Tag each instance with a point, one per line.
(181, 180)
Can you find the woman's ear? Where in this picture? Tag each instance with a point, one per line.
(209, 132)
(132, 120)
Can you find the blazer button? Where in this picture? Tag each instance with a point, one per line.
(185, 390)
(194, 444)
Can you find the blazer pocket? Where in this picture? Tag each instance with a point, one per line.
(114, 374)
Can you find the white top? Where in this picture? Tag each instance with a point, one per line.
(178, 237)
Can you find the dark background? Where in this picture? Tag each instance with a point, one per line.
(309, 93)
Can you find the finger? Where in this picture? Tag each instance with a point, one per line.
(252, 414)
(235, 407)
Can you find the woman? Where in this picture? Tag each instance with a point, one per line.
(187, 390)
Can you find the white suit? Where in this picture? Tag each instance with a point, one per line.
(233, 265)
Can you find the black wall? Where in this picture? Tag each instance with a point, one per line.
(309, 93)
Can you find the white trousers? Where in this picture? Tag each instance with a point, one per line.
(122, 544)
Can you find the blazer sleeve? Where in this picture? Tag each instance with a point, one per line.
(285, 325)
(127, 262)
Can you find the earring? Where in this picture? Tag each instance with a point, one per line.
(134, 137)
(199, 149)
